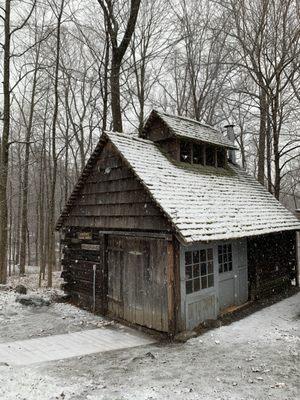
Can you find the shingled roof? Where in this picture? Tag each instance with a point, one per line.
(202, 203)
(190, 129)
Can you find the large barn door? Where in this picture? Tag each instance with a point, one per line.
(137, 286)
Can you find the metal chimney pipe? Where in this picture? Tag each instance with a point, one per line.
(231, 136)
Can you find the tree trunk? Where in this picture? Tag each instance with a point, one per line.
(262, 137)
(5, 146)
(24, 222)
(269, 155)
(115, 93)
(51, 255)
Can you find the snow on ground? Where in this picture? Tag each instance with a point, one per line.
(19, 322)
(254, 358)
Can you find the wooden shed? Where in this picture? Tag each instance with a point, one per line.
(166, 231)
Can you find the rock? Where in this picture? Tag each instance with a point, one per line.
(32, 300)
(4, 364)
(60, 298)
(184, 336)
(21, 289)
(147, 355)
(5, 288)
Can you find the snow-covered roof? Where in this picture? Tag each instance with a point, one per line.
(204, 203)
(191, 129)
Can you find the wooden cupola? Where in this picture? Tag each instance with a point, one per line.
(187, 140)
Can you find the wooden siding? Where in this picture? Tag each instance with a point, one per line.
(157, 131)
(271, 263)
(80, 256)
(137, 281)
(172, 147)
(136, 276)
(112, 198)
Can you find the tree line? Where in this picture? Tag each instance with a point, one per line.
(71, 69)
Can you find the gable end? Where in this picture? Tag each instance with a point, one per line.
(112, 197)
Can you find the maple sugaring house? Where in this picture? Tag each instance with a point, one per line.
(166, 231)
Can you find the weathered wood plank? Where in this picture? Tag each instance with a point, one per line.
(124, 197)
(119, 210)
(171, 287)
(142, 223)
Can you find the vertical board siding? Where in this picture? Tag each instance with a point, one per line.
(137, 271)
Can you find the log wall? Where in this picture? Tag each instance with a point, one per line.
(82, 252)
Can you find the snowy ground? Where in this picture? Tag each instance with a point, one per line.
(254, 358)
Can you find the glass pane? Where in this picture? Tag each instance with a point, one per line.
(197, 154)
(229, 256)
(195, 257)
(220, 258)
(220, 249)
(202, 255)
(210, 254)
(196, 270)
(229, 248)
(188, 257)
(189, 287)
(210, 267)
(221, 157)
(196, 285)
(224, 248)
(204, 282)
(203, 269)
(210, 155)
(225, 257)
(188, 272)
(230, 266)
(185, 152)
(225, 267)
(220, 268)
(210, 280)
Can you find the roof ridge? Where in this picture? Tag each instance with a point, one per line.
(129, 136)
(189, 119)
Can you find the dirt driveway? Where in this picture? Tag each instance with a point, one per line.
(254, 358)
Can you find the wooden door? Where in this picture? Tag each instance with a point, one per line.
(137, 280)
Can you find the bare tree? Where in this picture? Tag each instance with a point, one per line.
(118, 51)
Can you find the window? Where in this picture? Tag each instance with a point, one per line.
(199, 270)
(210, 156)
(221, 157)
(191, 153)
(185, 152)
(225, 258)
(198, 154)
(203, 154)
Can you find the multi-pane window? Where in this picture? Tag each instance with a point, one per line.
(203, 154)
(199, 270)
(225, 257)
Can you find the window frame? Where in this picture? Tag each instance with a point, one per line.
(218, 153)
(208, 264)
(222, 255)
